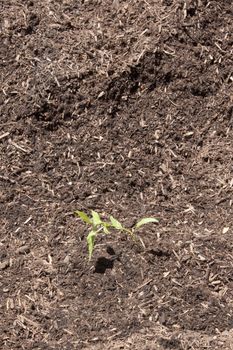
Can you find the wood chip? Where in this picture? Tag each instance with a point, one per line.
(23, 250)
(225, 230)
(4, 265)
(4, 135)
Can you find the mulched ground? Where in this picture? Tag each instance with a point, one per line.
(124, 107)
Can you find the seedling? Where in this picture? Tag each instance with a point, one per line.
(98, 226)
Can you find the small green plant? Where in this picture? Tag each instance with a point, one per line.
(98, 226)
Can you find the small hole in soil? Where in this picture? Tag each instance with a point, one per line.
(110, 250)
(191, 11)
(159, 252)
(102, 264)
(170, 343)
(167, 2)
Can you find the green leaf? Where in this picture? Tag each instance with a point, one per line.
(116, 224)
(145, 221)
(96, 218)
(91, 242)
(83, 216)
(105, 226)
(105, 229)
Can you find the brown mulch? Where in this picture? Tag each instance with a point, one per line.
(124, 107)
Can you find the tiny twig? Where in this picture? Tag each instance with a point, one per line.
(4, 135)
(19, 147)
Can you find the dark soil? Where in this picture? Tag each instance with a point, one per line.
(124, 107)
